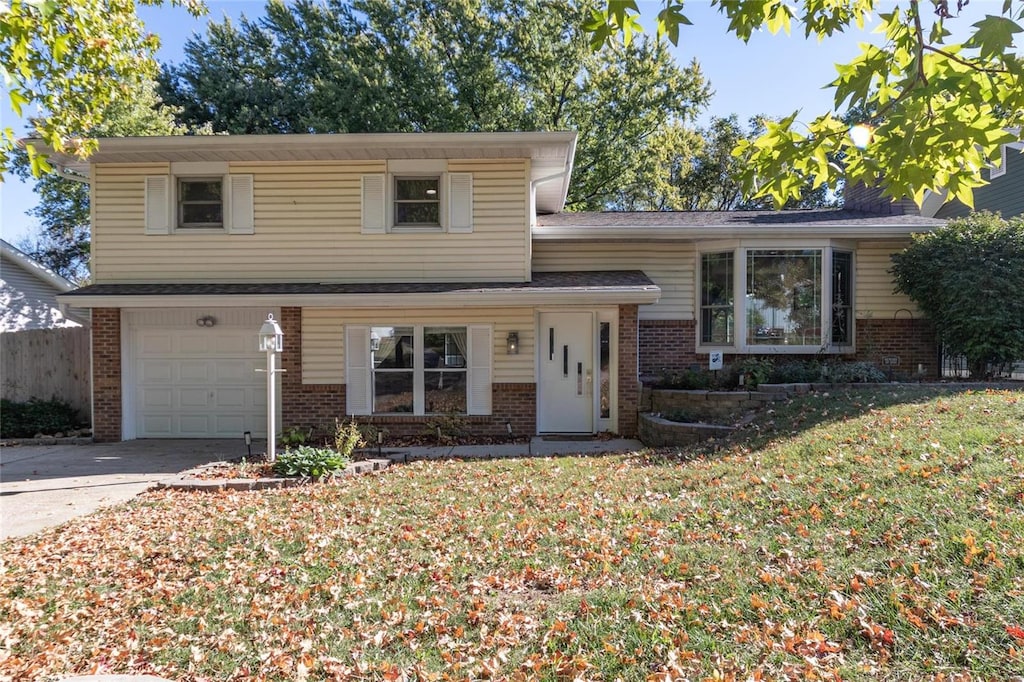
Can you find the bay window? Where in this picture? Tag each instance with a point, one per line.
(793, 299)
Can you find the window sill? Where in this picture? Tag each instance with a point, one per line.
(199, 230)
(780, 349)
(416, 229)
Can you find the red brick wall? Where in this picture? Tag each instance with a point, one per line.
(629, 378)
(912, 341)
(106, 375)
(667, 346)
(305, 405)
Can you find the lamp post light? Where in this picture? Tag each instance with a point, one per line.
(272, 343)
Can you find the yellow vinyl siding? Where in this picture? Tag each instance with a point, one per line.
(669, 265)
(874, 286)
(307, 218)
(323, 337)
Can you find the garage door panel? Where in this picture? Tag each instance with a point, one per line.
(195, 344)
(229, 425)
(191, 398)
(231, 398)
(237, 372)
(155, 343)
(157, 397)
(195, 372)
(156, 372)
(156, 426)
(195, 425)
(236, 345)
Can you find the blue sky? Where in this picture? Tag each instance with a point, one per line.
(772, 75)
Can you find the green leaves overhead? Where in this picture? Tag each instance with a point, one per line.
(71, 59)
(938, 112)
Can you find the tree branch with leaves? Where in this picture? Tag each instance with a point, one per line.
(942, 110)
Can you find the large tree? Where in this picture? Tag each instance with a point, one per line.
(73, 59)
(63, 240)
(941, 109)
(460, 65)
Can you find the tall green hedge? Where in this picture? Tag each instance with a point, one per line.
(968, 278)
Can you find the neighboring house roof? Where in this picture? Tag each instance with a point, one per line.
(28, 294)
(836, 223)
(619, 286)
(550, 153)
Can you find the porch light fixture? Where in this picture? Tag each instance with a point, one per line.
(512, 343)
(272, 343)
(206, 321)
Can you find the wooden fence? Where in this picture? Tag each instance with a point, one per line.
(47, 363)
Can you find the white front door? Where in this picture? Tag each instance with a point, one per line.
(566, 370)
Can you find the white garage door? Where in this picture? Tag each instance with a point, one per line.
(198, 383)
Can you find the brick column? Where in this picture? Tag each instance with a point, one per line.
(306, 406)
(629, 381)
(106, 375)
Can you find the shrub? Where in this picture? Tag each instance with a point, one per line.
(311, 462)
(967, 277)
(25, 420)
(689, 380)
(796, 372)
(447, 428)
(854, 373)
(294, 435)
(347, 437)
(756, 370)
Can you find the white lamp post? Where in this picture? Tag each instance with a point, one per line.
(271, 342)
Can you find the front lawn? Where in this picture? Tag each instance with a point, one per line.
(871, 534)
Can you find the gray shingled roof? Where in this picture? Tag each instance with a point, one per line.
(589, 281)
(810, 217)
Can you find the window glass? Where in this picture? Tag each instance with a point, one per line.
(393, 352)
(417, 201)
(444, 369)
(444, 392)
(606, 355)
(783, 298)
(842, 297)
(716, 298)
(200, 202)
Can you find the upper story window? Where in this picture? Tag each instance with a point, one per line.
(417, 202)
(200, 202)
(791, 299)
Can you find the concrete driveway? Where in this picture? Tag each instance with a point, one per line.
(46, 485)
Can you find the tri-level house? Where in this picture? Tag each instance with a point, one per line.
(417, 275)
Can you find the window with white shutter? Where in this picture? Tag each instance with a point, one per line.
(158, 204)
(373, 204)
(460, 202)
(358, 396)
(240, 204)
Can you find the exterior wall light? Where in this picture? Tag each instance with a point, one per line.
(206, 321)
(512, 343)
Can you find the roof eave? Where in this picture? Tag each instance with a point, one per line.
(699, 232)
(640, 295)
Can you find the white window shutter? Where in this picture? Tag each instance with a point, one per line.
(239, 204)
(158, 204)
(373, 204)
(480, 350)
(358, 396)
(460, 202)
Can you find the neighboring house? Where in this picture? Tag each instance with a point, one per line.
(28, 294)
(417, 275)
(1003, 194)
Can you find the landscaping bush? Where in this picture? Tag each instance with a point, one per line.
(311, 462)
(688, 380)
(756, 370)
(25, 420)
(967, 277)
(854, 373)
(796, 372)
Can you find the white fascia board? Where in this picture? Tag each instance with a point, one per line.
(537, 297)
(34, 268)
(698, 233)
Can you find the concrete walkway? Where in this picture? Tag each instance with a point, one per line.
(44, 486)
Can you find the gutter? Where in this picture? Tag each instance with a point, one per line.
(692, 233)
(641, 295)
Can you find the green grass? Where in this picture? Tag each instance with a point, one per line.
(870, 534)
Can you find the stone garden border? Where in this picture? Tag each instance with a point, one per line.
(191, 480)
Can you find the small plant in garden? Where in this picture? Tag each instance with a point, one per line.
(756, 370)
(294, 435)
(796, 372)
(310, 462)
(347, 437)
(447, 428)
(687, 380)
